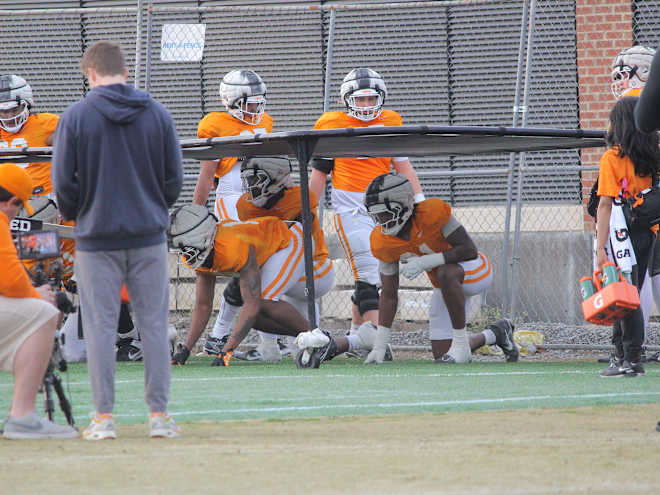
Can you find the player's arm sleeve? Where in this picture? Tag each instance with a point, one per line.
(647, 116)
(173, 164)
(388, 269)
(64, 171)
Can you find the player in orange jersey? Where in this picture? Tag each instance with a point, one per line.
(426, 237)
(270, 192)
(266, 253)
(243, 94)
(363, 93)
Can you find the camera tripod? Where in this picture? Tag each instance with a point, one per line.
(52, 381)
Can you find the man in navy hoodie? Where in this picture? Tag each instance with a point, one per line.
(116, 170)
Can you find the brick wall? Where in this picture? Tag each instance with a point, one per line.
(603, 30)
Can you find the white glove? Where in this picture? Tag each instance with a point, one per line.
(377, 353)
(414, 265)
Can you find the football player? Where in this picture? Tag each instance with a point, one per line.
(243, 93)
(630, 70)
(363, 94)
(267, 255)
(270, 192)
(411, 238)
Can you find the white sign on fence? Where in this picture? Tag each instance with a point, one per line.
(182, 42)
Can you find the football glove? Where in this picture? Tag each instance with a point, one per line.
(223, 359)
(382, 338)
(415, 265)
(181, 355)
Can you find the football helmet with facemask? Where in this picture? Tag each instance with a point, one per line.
(360, 83)
(243, 93)
(192, 232)
(390, 202)
(16, 95)
(630, 69)
(264, 177)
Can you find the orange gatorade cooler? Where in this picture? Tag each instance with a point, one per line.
(614, 298)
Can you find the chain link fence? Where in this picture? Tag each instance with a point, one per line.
(463, 62)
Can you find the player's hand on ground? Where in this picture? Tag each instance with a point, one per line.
(180, 356)
(377, 354)
(46, 292)
(411, 267)
(223, 359)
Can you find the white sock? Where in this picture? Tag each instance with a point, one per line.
(489, 335)
(352, 341)
(460, 346)
(225, 319)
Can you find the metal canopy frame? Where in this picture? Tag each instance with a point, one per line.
(419, 140)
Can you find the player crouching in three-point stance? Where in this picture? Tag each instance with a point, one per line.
(426, 237)
(266, 253)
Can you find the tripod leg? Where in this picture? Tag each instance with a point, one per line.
(48, 400)
(65, 405)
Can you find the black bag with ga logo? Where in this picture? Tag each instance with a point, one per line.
(643, 210)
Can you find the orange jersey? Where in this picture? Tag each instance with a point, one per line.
(221, 124)
(34, 133)
(425, 235)
(355, 174)
(613, 169)
(289, 207)
(14, 281)
(233, 240)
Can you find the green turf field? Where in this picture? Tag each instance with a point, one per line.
(346, 387)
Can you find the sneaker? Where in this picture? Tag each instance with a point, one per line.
(101, 428)
(503, 331)
(619, 368)
(33, 426)
(129, 350)
(163, 426)
(312, 339)
(445, 359)
(213, 345)
(251, 355)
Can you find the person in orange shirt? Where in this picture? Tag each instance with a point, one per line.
(626, 168)
(411, 238)
(363, 92)
(270, 192)
(243, 93)
(267, 255)
(28, 320)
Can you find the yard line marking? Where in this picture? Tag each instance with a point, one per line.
(498, 400)
(361, 377)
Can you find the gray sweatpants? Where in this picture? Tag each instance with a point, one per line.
(100, 275)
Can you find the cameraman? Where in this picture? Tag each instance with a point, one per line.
(28, 320)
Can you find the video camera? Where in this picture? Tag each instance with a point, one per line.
(44, 246)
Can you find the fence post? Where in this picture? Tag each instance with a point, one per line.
(512, 163)
(147, 64)
(138, 45)
(521, 160)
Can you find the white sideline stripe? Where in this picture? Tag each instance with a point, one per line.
(344, 375)
(499, 400)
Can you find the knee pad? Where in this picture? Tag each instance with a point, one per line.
(365, 297)
(232, 293)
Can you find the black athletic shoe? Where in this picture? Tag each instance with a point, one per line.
(213, 346)
(503, 331)
(619, 368)
(129, 350)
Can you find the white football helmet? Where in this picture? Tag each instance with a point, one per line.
(264, 177)
(360, 83)
(390, 202)
(44, 208)
(192, 232)
(15, 94)
(630, 69)
(244, 95)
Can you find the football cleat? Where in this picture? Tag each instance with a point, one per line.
(129, 350)
(213, 345)
(312, 358)
(445, 359)
(312, 339)
(251, 355)
(503, 330)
